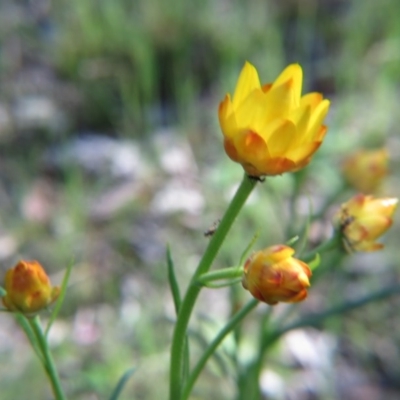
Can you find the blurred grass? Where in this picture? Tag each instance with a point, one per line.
(130, 69)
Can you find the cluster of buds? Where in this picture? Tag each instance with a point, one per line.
(28, 288)
(271, 129)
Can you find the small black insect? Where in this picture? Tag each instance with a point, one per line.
(211, 230)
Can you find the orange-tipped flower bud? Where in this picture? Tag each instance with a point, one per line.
(28, 288)
(365, 170)
(363, 219)
(272, 275)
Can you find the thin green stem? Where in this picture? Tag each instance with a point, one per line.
(318, 318)
(333, 243)
(219, 274)
(229, 327)
(48, 362)
(177, 349)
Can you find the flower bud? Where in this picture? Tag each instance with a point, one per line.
(272, 275)
(28, 288)
(363, 219)
(365, 170)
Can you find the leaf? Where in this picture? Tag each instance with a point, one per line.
(314, 264)
(202, 341)
(176, 295)
(121, 383)
(3, 292)
(292, 240)
(248, 248)
(173, 283)
(60, 299)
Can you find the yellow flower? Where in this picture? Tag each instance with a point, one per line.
(28, 288)
(365, 170)
(272, 129)
(272, 275)
(363, 219)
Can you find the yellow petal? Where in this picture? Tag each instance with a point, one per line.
(274, 254)
(282, 139)
(227, 117)
(252, 112)
(251, 148)
(247, 82)
(301, 118)
(311, 99)
(292, 75)
(317, 118)
(376, 225)
(280, 101)
(303, 152)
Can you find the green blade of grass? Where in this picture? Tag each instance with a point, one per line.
(248, 248)
(61, 297)
(121, 383)
(176, 295)
(173, 283)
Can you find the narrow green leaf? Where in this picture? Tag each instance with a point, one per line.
(249, 247)
(60, 299)
(121, 383)
(292, 240)
(173, 283)
(314, 264)
(176, 295)
(219, 359)
(3, 292)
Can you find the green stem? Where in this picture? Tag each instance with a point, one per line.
(178, 340)
(333, 243)
(48, 362)
(229, 327)
(223, 273)
(248, 378)
(318, 318)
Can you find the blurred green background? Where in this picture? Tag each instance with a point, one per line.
(110, 148)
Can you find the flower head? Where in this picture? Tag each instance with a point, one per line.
(28, 288)
(272, 129)
(272, 275)
(365, 170)
(363, 219)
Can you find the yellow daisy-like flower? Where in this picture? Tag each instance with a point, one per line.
(272, 129)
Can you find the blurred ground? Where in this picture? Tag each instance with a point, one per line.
(110, 148)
